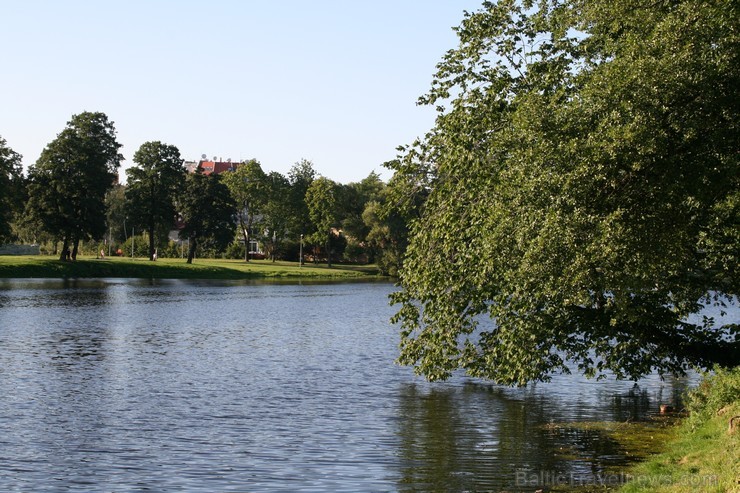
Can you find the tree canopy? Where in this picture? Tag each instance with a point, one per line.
(321, 202)
(116, 213)
(300, 176)
(387, 225)
(276, 211)
(69, 182)
(248, 187)
(583, 201)
(206, 209)
(153, 186)
(351, 201)
(10, 176)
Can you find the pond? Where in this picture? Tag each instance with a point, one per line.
(129, 385)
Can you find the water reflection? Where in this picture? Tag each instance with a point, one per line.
(121, 385)
(438, 432)
(477, 437)
(73, 348)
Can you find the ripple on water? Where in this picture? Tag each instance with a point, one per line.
(120, 385)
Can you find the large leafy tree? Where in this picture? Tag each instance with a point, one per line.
(206, 209)
(69, 182)
(116, 213)
(387, 225)
(583, 193)
(300, 175)
(351, 202)
(153, 186)
(321, 201)
(248, 186)
(10, 186)
(276, 212)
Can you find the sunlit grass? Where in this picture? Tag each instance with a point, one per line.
(707, 459)
(705, 453)
(51, 267)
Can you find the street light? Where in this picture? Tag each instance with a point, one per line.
(300, 256)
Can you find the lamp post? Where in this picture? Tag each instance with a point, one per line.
(300, 255)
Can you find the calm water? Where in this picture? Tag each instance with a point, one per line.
(120, 385)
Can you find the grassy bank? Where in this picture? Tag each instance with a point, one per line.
(50, 267)
(703, 454)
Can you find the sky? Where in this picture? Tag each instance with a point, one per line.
(334, 82)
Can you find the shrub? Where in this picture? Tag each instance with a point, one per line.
(716, 391)
(172, 250)
(141, 246)
(289, 250)
(235, 250)
(356, 253)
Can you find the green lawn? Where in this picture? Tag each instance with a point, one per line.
(706, 459)
(51, 267)
(704, 455)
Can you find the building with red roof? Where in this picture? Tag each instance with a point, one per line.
(211, 167)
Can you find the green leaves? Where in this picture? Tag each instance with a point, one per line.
(10, 183)
(69, 182)
(153, 187)
(582, 193)
(249, 188)
(206, 209)
(321, 200)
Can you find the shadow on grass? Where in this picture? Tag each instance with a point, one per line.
(40, 267)
(53, 268)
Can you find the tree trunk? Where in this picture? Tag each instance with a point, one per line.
(65, 247)
(245, 232)
(191, 250)
(75, 248)
(151, 242)
(328, 251)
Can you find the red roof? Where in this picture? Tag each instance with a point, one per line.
(216, 167)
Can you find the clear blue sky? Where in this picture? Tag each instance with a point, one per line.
(332, 81)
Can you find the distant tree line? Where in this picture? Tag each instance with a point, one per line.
(71, 199)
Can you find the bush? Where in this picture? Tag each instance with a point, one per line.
(208, 248)
(47, 249)
(389, 261)
(235, 250)
(715, 392)
(141, 246)
(92, 247)
(172, 250)
(356, 253)
(289, 250)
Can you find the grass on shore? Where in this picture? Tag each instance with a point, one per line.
(703, 455)
(699, 452)
(90, 267)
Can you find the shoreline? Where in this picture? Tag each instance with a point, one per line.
(47, 267)
(702, 452)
